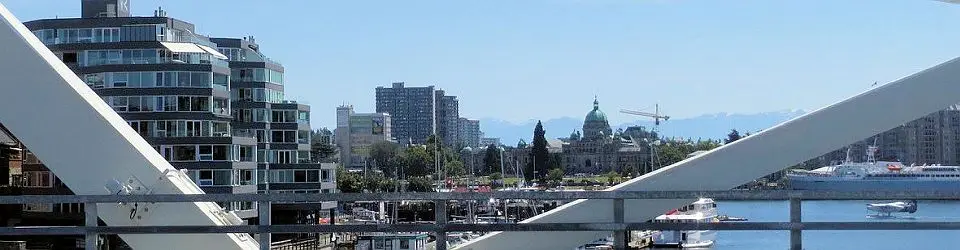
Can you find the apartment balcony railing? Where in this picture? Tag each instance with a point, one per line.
(441, 227)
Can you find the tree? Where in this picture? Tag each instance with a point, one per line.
(522, 144)
(348, 182)
(612, 177)
(491, 160)
(455, 169)
(417, 162)
(373, 183)
(321, 151)
(321, 148)
(555, 176)
(538, 154)
(419, 184)
(384, 157)
(733, 136)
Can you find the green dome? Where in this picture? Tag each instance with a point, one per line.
(596, 115)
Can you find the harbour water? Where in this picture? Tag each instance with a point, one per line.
(842, 211)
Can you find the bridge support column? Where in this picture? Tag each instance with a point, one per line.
(620, 240)
(796, 237)
(264, 208)
(441, 222)
(92, 239)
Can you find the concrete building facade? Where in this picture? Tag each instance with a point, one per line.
(448, 117)
(356, 132)
(469, 132)
(413, 111)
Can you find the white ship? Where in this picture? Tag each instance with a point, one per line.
(876, 175)
(703, 210)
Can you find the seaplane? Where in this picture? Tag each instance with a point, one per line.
(886, 210)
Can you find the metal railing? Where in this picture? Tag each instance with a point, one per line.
(441, 227)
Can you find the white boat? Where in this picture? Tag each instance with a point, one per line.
(876, 175)
(704, 210)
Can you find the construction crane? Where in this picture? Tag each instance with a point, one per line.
(656, 115)
(654, 158)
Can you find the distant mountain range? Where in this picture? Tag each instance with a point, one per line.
(708, 126)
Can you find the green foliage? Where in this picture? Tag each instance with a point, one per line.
(539, 154)
(320, 150)
(373, 183)
(495, 176)
(555, 176)
(348, 182)
(491, 160)
(612, 177)
(385, 157)
(417, 162)
(419, 184)
(733, 136)
(455, 169)
(673, 151)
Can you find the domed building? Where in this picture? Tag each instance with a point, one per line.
(595, 125)
(599, 150)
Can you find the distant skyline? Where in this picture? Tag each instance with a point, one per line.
(543, 59)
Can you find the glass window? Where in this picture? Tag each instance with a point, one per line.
(114, 34)
(313, 176)
(169, 79)
(221, 79)
(150, 56)
(200, 79)
(221, 129)
(260, 115)
(94, 80)
(113, 57)
(200, 103)
(169, 103)
(183, 79)
(133, 79)
(119, 103)
(259, 95)
(119, 79)
(205, 178)
(183, 103)
(299, 176)
(206, 153)
(221, 153)
(276, 135)
(303, 137)
(133, 104)
(259, 75)
(149, 103)
(185, 153)
(147, 79)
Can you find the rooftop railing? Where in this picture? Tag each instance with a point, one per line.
(441, 227)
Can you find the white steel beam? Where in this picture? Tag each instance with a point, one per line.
(752, 157)
(89, 147)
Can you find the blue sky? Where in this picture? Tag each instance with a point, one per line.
(541, 59)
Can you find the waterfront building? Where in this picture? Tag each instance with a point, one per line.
(211, 106)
